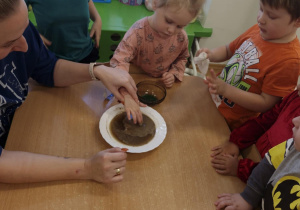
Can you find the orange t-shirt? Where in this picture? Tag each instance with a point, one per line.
(144, 47)
(258, 66)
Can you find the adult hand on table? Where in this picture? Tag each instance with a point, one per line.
(107, 166)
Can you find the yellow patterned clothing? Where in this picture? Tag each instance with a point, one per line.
(283, 188)
(275, 182)
(154, 54)
(277, 154)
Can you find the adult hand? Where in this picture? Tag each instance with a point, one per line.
(114, 79)
(232, 202)
(168, 79)
(104, 166)
(96, 31)
(97, 23)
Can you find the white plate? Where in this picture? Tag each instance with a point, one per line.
(160, 133)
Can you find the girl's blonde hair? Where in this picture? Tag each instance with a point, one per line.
(193, 6)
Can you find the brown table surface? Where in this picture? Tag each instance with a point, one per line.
(176, 175)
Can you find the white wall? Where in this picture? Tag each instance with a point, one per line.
(228, 19)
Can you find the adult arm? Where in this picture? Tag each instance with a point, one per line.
(24, 167)
(97, 25)
(68, 73)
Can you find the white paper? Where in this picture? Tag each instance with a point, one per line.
(202, 63)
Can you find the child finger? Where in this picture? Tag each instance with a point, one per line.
(216, 148)
(222, 204)
(140, 119)
(222, 172)
(134, 117)
(92, 32)
(118, 95)
(142, 104)
(219, 158)
(216, 152)
(218, 167)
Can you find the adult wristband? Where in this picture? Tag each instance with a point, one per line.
(91, 70)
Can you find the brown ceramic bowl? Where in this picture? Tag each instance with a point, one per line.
(151, 92)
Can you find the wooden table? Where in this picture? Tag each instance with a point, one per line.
(176, 175)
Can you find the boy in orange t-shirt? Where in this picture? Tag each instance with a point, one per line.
(264, 63)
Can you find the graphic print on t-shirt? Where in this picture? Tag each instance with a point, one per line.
(284, 195)
(236, 71)
(12, 96)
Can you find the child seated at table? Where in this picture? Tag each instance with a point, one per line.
(265, 131)
(274, 183)
(158, 45)
(64, 28)
(264, 63)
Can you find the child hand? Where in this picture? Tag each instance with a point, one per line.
(96, 31)
(225, 164)
(232, 202)
(133, 110)
(207, 51)
(168, 79)
(215, 85)
(227, 148)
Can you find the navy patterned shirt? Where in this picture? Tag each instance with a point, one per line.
(15, 70)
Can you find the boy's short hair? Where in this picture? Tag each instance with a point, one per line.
(292, 6)
(194, 6)
(7, 7)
